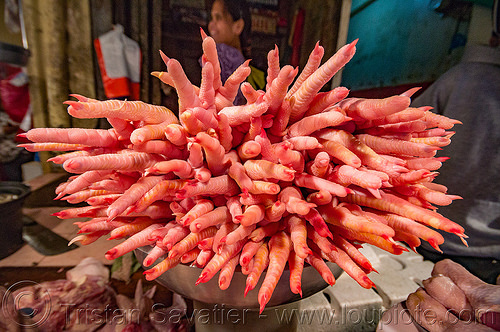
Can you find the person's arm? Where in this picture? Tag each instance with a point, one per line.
(455, 300)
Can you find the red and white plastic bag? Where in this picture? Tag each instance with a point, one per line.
(119, 59)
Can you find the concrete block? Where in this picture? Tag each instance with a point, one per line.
(356, 308)
(399, 275)
(316, 314)
(219, 318)
(372, 254)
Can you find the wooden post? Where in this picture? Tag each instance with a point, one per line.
(345, 13)
(36, 74)
(35, 66)
(80, 49)
(143, 40)
(156, 62)
(102, 22)
(54, 60)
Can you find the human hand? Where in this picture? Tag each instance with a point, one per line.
(455, 300)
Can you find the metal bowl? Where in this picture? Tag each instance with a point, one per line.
(12, 196)
(181, 280)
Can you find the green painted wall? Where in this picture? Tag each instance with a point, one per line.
(401, 42)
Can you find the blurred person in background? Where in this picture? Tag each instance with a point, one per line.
(15, 118)
(470, 92)
(230, 26)
(11, 156)
(463, 291)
